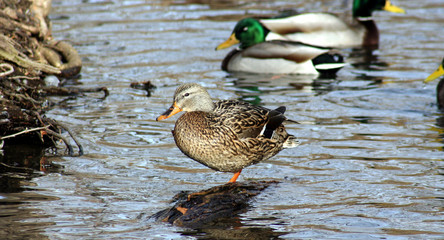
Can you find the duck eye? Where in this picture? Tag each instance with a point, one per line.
(186, 95)
(245, 29)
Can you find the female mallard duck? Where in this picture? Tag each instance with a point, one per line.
(440, 88)
(262, 51)
(328, 30)
(226, 135)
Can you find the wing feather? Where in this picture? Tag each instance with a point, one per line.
(306, 22)
(293, 51)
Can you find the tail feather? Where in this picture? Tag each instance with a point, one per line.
(328, 63)
(280, 109)
(275, 119)
(290, 121)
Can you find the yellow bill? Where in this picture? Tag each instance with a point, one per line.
(230, 42)
(392, 8)
(439, 72)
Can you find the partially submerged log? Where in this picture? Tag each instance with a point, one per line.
(204, 208)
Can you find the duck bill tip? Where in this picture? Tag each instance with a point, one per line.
(161, 117)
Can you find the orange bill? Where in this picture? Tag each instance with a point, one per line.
(230, 42)
(170, 112)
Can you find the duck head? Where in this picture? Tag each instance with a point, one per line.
(247, 32)
(189, 97)
(365, 8)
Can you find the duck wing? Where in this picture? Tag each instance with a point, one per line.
(306, 23)
(247, 120)
(292, 51)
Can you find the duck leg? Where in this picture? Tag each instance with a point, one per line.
(235, 176)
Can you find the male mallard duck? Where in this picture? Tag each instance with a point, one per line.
(262, 51)
(440, 88)
(328, 30)
(226, 135)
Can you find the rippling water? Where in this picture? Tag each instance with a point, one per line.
(370, 165)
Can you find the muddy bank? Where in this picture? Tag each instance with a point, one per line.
(33, 66)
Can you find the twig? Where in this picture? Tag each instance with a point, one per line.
(7, 72)
(25, 131)
(8, 52)
(63, 91)
(16, 169)
(60, 126)
(73, 137)
(70, 150)
(23, 97)
(25, 77)
(11, 24)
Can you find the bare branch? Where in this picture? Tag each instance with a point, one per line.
(25, 131)
(8, 71)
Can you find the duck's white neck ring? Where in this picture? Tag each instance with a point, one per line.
(363, 19)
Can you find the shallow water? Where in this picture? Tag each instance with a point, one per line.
(370, 165)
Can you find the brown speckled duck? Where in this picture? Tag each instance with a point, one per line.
(227, 135)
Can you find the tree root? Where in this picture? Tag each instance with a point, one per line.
(62, 126)
(9, 53)
(50, 130)
(62, 91)
(28, 54)
(9, 69)
(62, 55)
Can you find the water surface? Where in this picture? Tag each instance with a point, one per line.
(370, 165)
